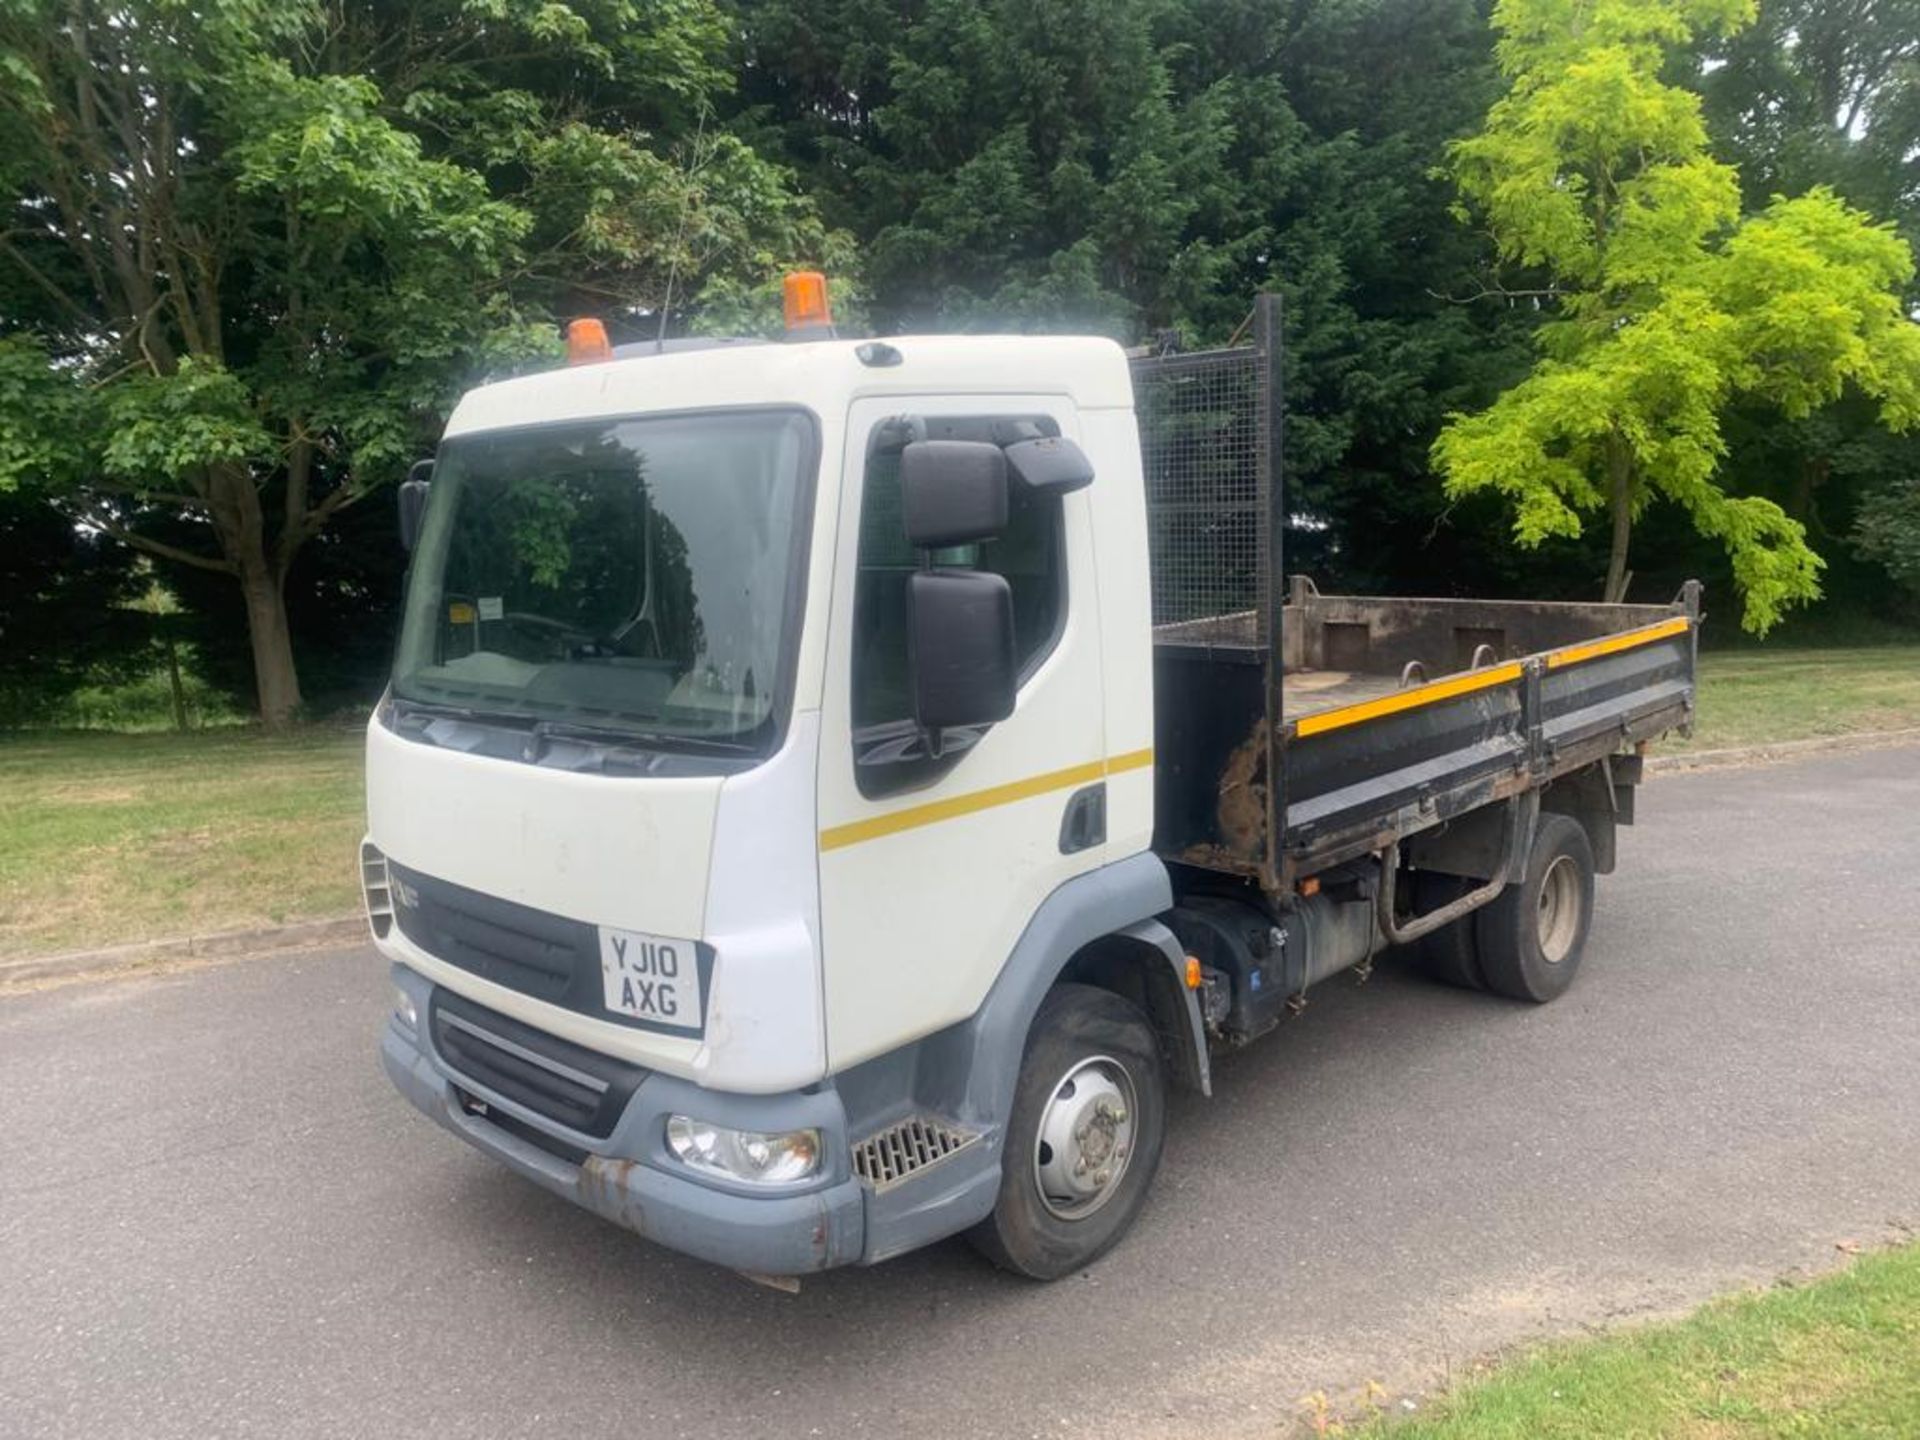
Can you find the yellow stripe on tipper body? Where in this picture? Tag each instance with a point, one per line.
(1614, 644)
(932, 813)
(1406, 700)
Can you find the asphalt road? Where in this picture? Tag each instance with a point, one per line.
(215, 1219)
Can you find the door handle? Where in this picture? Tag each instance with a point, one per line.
(1085, 823)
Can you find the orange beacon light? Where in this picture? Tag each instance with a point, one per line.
(804, 297)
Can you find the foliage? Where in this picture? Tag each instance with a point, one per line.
(1142, 168)
(62, 625)
(1668, 306)
(1888, 530)
(337, 214)
(1819, 92)
(253, 251)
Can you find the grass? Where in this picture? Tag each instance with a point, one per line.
(107, 838)
(1837, 1357)
(111, 837)
(1753, 697)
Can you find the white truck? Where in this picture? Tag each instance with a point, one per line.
(830, 791)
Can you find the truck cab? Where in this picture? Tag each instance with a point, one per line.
(692, 917)
(829, 792)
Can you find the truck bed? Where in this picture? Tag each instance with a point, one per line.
(1377, 717)
(1310, 691)
(1396, 715)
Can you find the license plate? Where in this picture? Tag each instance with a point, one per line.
(651, 978)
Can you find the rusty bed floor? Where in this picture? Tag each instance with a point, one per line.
(1308, 691)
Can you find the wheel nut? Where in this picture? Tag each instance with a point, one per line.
(1103, 1177)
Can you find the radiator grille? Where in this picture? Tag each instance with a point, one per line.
(905, 1149)
(549, 957)
(561, 1082)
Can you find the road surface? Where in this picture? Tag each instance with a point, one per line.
(216, 1219)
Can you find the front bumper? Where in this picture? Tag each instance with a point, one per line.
(629, 1178)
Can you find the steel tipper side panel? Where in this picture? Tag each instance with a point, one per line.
(1617, 690)
(1359, 776)
(1363, 775)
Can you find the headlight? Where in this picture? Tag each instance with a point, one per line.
(403, 1007)
(758, 1157)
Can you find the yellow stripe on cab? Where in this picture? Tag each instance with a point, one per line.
(933, 812)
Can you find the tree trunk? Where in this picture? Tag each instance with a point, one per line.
(1813, 473)
(275, 681)
(1620, 501)
(234, 504)
(174, 687)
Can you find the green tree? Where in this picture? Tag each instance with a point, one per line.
(1139, 167)
(1668, 306)
(251, 250)
(1888, 530)
(1826, 92)
(62, 618)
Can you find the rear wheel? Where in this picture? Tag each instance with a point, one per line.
(1083, 1142)
(1531, 939)
(1450, 954)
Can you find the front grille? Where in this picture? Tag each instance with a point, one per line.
(906, 1148)
(520, 1129)
(539, 954)
(565, 1083)
(535, 952)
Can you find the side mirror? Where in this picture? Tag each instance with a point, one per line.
(953, 492)
(960, 649)
(413, 502)
(1050, 465)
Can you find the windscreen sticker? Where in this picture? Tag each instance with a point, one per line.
(491, 607)
(459, 613)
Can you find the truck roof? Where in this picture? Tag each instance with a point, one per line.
(823, 376)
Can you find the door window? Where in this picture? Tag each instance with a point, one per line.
(889, 754)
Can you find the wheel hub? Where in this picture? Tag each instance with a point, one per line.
(1559, 917)
(1086, 1138)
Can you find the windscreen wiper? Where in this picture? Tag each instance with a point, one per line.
(544, 730)
(443, 710)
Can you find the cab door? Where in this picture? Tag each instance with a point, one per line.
(931, 866)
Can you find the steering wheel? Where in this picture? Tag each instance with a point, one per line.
(558, 629)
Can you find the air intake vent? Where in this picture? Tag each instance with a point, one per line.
(905, 1149)
(378, 887)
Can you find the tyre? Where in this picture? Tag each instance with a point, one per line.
(1532, 937)
(1089, 1118)
(1450, 954)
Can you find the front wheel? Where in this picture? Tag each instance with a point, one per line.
(1089, 1118)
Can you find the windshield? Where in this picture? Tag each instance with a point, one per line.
(634, 575)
